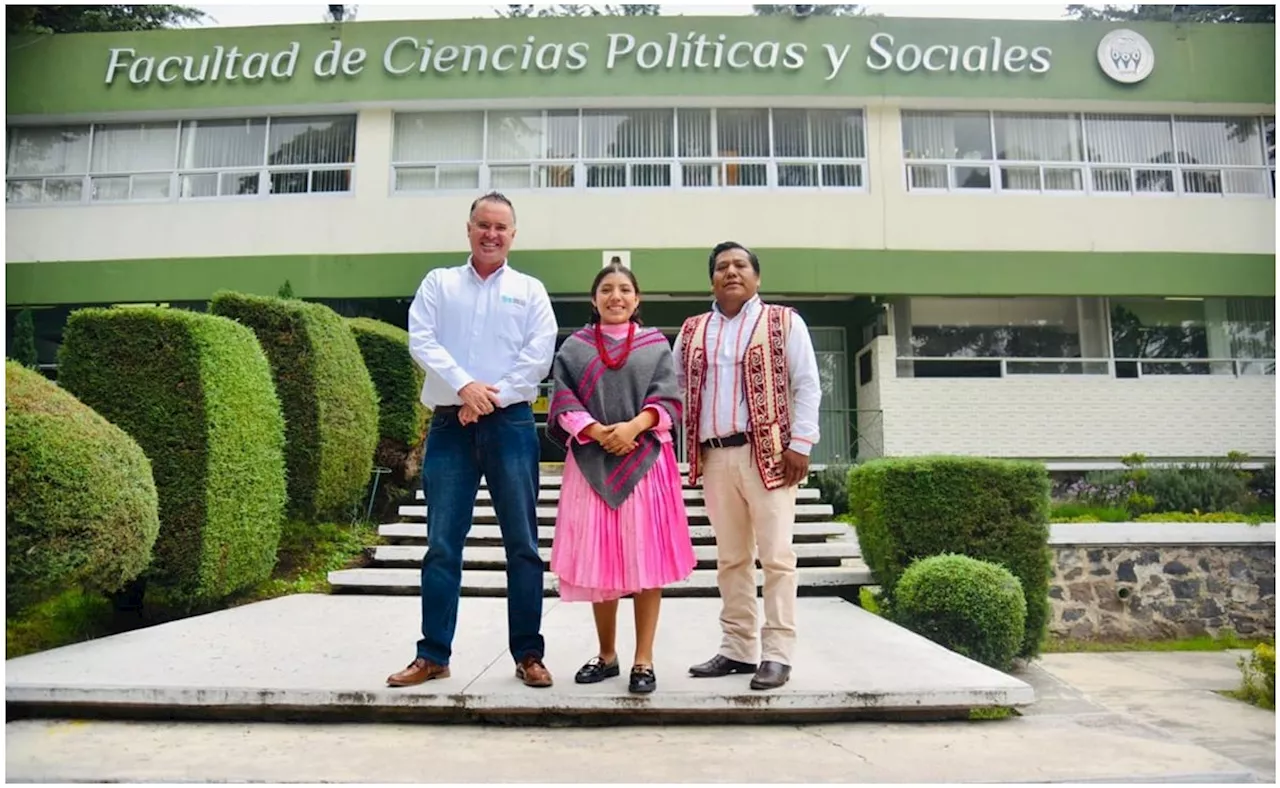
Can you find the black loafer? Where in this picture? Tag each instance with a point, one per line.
(719, 666)
(596, 670)
(771, 675)
(642, 679)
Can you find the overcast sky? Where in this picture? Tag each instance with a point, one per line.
(239, 15)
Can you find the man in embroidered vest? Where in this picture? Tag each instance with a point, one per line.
(749, 377)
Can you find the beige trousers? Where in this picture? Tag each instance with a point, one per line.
(749, 520)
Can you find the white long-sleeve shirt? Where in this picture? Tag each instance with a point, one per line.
(499, 331)
(724, 394)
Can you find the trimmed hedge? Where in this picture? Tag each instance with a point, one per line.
(329, 401)
(992, 510)
(385, 349)
(975, 608)
(195, 392)
(81, 503)
(402, 418)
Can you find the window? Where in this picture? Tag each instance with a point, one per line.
(124, 162)
(1125, 337)
(630, 149)
(1089, 153)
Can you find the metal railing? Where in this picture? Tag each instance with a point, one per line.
(1108, 367)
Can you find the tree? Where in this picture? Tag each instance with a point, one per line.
(808, 10)
(523, 11)
(46, 19)
(1255, 14)
(340, 13)
(24, 339)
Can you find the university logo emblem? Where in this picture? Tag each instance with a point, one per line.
(1126, 56)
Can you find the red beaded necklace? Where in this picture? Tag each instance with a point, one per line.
(609, 362)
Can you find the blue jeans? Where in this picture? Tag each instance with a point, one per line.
(504, 447)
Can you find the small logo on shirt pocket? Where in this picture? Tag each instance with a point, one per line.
(510, 299)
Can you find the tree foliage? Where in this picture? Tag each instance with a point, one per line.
(542, 11)
(808, 10)
(45, 19)
(1256, 14)
(24, 340)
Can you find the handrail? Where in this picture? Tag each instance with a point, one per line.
(1236, 364)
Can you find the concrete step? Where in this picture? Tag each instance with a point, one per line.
(805, 512)
(410, 556)
(491, 534)
(826, 581)
(692, 495)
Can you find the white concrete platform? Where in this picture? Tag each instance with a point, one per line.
(312, 657)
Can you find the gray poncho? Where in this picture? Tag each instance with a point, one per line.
(584, 383)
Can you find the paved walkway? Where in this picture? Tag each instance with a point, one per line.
(1099, 718)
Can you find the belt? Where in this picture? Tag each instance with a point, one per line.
(727, 442)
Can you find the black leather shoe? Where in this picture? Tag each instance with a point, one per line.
(642, 679)
(719, 666)
(771, 675)
(596, 670)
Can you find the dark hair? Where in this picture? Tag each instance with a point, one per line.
(614, 267)
(493, 197)
(725, 246)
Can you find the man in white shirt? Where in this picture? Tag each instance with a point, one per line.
(485, 334)
(751, 390)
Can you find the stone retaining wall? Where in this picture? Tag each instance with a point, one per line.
(1163, 580)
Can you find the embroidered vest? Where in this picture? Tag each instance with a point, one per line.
(767, 384)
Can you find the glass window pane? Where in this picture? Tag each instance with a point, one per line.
(846, 175)
(1219, 140)
(239, 183)
(110, 189)
(994, 328)
(23, 191)
(1143, 328)
(517, 177)
(972, 177)
(62, 150)
(330, 181)
(63, 189)
(555, 176)
(1020, 179)
(628, 134)
(946, 135)
(746, 174)
(742, 133)
(797, 175)
(1129, 139)
(134, 147)
(562, 134)
(1153, 180)
(701, 174)
(1111, 180)
(409, 179)
(438, 136)
(326, 140)
(791, 134)
(922, 176)
(202, 185)
(694, 129)
(222, 143)
(1245, 182)
(516, 136)
(650, 175)
(1038, 137)
(1202, 181)
(837, 133)
(1063, 180)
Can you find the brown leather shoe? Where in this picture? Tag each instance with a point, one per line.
(419, 671)
(533, 673)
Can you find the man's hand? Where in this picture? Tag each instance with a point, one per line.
(620, 438)
(480, 397)
(795, 467)
(467, 415)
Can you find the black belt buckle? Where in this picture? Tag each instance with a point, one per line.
(727, 442)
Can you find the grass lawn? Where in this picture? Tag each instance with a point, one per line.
(308, 552)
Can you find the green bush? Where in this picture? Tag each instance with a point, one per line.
(330, 404)
(992, 510)
(1258, 679)
(81, 501)
(833, 487)
(402, 418)
(195, 392)
(975, 608)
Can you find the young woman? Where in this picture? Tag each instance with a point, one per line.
(621, 527)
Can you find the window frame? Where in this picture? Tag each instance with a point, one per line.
(678, 164)
(1086, 168)
(176, 173)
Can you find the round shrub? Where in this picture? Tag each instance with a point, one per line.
(82, 504)
(993, 510)
(195, 392)
(329, 401)
(975, 608)
(402, 418)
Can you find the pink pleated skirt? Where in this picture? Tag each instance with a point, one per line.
(600, 554)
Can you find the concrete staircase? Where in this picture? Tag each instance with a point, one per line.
(827, 550)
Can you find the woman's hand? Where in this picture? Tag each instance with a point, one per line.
(620, 438)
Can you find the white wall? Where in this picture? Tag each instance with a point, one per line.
(886, 217)
(1069, 416)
